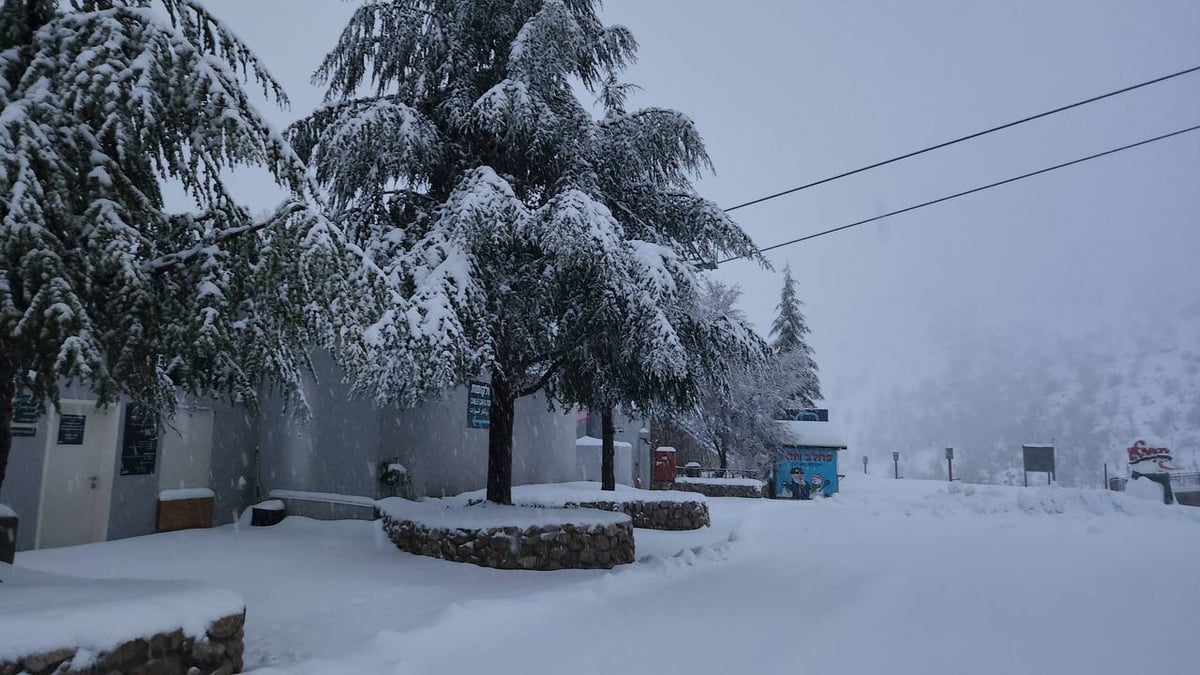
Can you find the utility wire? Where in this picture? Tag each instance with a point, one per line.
(977, 134)
(981, 188)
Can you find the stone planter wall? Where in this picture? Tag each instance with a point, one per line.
(219, 652)
(545, 547)
(657, 515)
(711, 490)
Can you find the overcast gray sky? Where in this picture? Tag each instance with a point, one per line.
(787, 91)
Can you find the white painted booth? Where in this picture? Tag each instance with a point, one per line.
(587, 460)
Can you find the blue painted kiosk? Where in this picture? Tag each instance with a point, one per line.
(811, 447)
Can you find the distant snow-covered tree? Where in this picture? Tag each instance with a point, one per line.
(789, 333)
(454, 150)
(737, 421)
(102, 102)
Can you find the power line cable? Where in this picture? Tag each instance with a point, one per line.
(968, 137)
(964, 193)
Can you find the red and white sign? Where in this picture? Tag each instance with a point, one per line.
(1142, 456)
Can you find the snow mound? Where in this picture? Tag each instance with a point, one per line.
(42, 612)
(579, 492)
(451, 515)
(1051, 500)
(1144, 489)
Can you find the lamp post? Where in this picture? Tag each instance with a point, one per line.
(896, 465)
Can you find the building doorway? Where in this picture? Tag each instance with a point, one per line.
(77, 479)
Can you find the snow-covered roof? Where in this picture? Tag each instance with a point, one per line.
(664, 448)
(812, 434)
(593, 442)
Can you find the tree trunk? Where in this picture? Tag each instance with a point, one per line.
(608, 433)
(722, 457)
(8, 383)
(500, 439)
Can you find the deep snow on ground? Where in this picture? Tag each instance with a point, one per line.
(888, 576)
(42, 612)
(319, 588)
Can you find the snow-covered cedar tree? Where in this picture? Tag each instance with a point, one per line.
(453, 149)
(102, 102)
(736, 421)
(789, 340)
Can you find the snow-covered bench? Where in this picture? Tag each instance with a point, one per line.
(327, 505)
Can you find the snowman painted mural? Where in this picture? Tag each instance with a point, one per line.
(1152, 462)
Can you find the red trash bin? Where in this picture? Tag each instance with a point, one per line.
(664, 465)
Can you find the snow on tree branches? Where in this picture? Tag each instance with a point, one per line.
(553, 249)
(736, 422)
(101, 103)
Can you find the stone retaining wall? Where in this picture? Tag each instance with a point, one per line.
(711, 490)
(657, 515)
(545, 547)
(218, 653)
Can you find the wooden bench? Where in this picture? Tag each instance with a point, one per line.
(185, 509)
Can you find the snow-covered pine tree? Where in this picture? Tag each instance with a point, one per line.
(102, 102)
(655, 352)
(789, 334)
(455, 151)
(736, 418)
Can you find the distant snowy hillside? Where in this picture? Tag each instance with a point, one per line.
(1091, 397)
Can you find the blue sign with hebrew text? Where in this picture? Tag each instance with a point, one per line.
(479, 405)
(818, 467)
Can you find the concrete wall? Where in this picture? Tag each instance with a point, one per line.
(230, 475)
(23, 485)
(445, 457)
(543, 443)
(340, 448)
(336, 450)
(233, 466)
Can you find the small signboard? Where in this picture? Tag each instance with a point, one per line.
(24, 417)
(70, 429)
(139, 445)
(949, 453)
(479, 405)
(1146, 458)
(1038, 458)
(895, 457)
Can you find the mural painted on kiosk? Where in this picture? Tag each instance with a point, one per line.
(818, 464)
